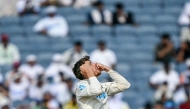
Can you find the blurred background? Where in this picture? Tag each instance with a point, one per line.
(146, 41)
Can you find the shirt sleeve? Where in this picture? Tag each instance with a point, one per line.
(91, 89)
(39, 26)
(153, 79)
(16, 54)
(118, 85)
(113, 59)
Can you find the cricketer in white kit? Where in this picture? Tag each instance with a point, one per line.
(90, 93)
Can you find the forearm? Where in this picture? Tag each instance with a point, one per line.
(95, 87)
(122, 83)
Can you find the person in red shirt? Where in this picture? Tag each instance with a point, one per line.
(186, 105)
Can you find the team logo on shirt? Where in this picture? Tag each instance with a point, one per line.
(102, 96)
(81, 87)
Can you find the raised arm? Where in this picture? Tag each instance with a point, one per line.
(119, 83)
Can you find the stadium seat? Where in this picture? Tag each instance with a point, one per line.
(144, 19)
(166, 20)
(79, 30)
(123, 68)
(150, 39)
(151, 3)
(169, 3)
(154, 10)
(142, 67)
(29, 19)
(75, 19)
(171, 29)
(12, 30)
(101, 30)
(175, 11)
(6, 21)
(122, 30)
(146, 30)
(4, 69)
(127, 39)
(66, 11)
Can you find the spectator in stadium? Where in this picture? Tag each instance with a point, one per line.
(18, 89)
(100, 15)
(183, 52)
(185, 75)
(10, 74)
(51, 2)
(37, 90)
(71, 56)
(81, 3)
(186, 104)
(166, 79)
(9, 52)
(4, 94)
(185, 15)
(164, 51)
(180, 94)
(122, 17)
(185, 33)
(72, 104)
(49, 102)
(159, 105)
(28, 7)
(58, 66)
(31, 69)
(116, 102)
(104, 55)
(52, 25)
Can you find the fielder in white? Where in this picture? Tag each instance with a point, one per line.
(90, 93)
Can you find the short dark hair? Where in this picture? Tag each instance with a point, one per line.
(119, 6)
(101, 42)
(76, 68)
(78, 43)
(165, 36)
(98, 3)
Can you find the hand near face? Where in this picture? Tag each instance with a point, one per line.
(103, 67)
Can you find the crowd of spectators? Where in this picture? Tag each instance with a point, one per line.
(37, 87)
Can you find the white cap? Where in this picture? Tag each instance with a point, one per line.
(31, 58)
(187, 62)
(50, 9)
(56, 58)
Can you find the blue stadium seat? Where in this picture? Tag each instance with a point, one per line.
(131, 3)
(171, 29)
(144, 19)
(122, 30)
(66, 11)
(160, 20)
(29, 19)
(75, 19)
(153, 10)
(127, 39)
(4, 69)
(146, 30)
(151, 3)
(5, 21)
(175, 11)
(150, 39)
(142, 67)
(12, 30)
(38, 39)
(124, 69)
(110, 2)
(79, 30)
(101, 30)
(169, 3)
(142, 57)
